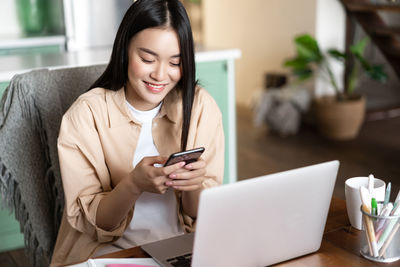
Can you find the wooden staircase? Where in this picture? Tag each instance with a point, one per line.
(385, 37)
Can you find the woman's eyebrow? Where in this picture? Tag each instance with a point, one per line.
(154, 53)
(148, 51)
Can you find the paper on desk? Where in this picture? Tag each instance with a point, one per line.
(105, 262)
(128, 265)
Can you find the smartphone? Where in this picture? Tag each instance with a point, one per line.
(187, 156)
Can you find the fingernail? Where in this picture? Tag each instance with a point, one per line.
(182, 164)
(172, 175)
(188, 166)
(169, 183)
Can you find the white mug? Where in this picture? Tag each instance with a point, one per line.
(353, 199)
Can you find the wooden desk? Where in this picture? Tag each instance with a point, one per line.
(340, 244)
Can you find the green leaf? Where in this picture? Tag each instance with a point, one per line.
(337, 54)
(358, 48)
(352, 79)
(297, 63)
(377, 73)
(300, 68)
(307, 48)
(365, 65)
(303, 74)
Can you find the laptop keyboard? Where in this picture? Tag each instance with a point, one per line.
(181, 261)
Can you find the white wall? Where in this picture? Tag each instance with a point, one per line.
(8, 15)
(262, 29)
(330, 32)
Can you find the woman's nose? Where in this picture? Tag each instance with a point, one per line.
(159, 73)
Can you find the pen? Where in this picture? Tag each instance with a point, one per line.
(385, 212)
(396, 202)
(368, 241)
(390, 226)
(389, 239)
(366, 207)
(374, 207)
(397, 198)
(387, 193)
(371, 184)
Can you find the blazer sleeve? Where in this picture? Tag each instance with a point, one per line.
(86, 179)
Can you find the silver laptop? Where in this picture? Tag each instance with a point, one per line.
(256, 222)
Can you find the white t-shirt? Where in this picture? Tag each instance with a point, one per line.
(155, 216)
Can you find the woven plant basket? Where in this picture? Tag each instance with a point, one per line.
(339, 120)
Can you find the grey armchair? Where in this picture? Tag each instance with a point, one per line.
(30, 182)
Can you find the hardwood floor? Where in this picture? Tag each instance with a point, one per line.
(376, 151)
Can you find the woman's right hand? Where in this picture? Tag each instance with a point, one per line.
(144, 177)
(148, 178)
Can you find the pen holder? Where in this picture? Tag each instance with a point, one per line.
(380, 237)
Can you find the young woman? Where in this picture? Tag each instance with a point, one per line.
(114, 138)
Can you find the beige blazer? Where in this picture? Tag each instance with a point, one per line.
(96, 146)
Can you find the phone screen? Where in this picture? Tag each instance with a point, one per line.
(188, 156)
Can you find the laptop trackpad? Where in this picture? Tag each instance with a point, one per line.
(169, 248)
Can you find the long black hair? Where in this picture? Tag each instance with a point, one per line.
(145, 14)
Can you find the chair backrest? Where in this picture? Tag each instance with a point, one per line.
(31, 110)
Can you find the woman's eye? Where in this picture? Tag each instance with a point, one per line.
(147, 61)
(175, 64)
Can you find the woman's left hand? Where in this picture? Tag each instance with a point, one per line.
(190, 177)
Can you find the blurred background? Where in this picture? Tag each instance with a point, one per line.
(264, 31)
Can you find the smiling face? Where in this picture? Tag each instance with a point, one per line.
(154, 67)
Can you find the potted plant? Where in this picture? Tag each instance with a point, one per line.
(339, 116)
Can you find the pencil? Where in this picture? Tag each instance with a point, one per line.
(389, 228)
(368, 238)
(366, 208)
(389, 239)
(371, 232)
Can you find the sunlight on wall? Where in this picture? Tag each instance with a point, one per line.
(262, 29)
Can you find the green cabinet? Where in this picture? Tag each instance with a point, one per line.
(10, 235)
(3, 86)
(213, 76)
(217, 75)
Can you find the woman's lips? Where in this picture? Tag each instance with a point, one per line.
(155, 88)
